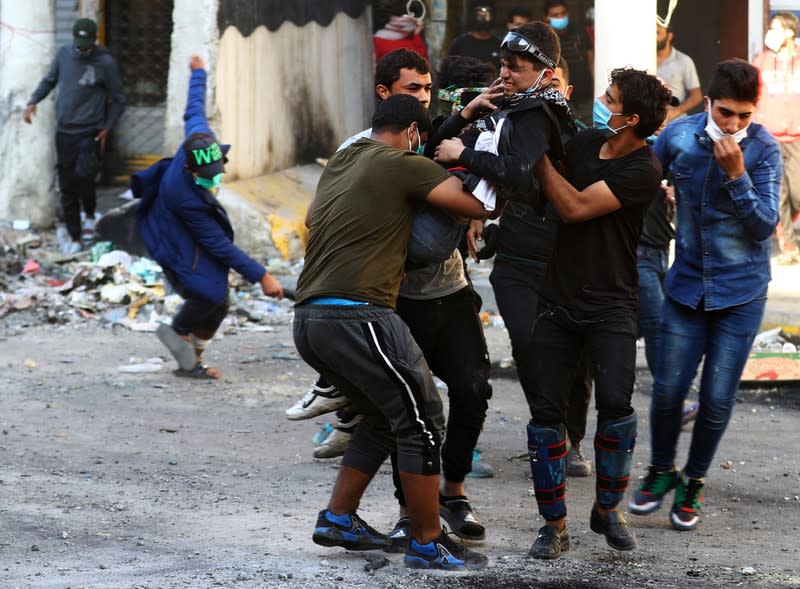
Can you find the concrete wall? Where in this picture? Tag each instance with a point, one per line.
(27, 163)
(292, 95)
(279, 97)
(194, 31)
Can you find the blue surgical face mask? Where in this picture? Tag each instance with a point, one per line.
(209, 183)
(601, 115)
(559, 24)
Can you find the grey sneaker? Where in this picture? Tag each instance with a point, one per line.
(335, 444)
(577, 464)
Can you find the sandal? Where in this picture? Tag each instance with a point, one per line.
(200, 371)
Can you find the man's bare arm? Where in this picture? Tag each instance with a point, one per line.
(572, 205)
(450, 195)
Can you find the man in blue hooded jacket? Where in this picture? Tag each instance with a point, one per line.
(188, 232)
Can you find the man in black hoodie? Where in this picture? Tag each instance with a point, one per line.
(89, 102)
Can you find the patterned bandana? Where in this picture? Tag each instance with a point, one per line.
(549, 95)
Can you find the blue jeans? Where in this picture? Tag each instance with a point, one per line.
(724, 337)
(652, 266)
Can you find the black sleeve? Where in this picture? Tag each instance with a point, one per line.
(450, 128)
(636, 183)
(513, 171)
(457, 47)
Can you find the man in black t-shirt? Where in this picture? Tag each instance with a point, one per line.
(479, 42)
(588, 301)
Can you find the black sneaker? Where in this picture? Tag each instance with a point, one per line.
(399, 536)
(443, 553)
(349, 531)
(648, 497)
(613, 526)
(685, 514)
(550, 542)
(458, 514)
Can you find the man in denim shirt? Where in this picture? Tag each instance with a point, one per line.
(727, 173)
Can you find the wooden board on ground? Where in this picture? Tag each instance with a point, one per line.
(772, 367)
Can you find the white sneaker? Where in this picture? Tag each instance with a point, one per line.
(73, 247)
(87, 234)
(317, 401)
(335, 444)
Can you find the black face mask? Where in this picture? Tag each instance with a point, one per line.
(481, 24)
(661, 44)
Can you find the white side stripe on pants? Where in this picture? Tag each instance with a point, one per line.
(418, 419)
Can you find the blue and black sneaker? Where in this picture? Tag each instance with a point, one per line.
(443, 553)
(348, 531)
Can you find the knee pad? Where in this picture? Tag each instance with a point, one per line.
(547, 449)
(613, 446)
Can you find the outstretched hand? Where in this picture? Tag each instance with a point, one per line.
(270, 286)
(102, 137)
(197, 63)
(473, 235)
(30, 110)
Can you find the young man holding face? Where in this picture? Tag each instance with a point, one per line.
(727, 174)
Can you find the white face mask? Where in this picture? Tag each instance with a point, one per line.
(535, 86)
(715, 133)
(773, 40)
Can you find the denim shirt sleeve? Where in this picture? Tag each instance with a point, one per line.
(755, 194)
(194, 117)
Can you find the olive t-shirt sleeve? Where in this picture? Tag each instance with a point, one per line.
(413, 174)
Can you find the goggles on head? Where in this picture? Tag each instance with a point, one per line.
(519, 44)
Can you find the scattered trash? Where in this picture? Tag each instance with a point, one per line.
(727, 465)
(748, 571)
(142, 367)
(111, 286)
(21, 224)
(28, 363)
(31, 267)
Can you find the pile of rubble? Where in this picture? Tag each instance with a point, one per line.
(39, 285)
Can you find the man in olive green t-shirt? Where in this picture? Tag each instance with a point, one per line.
(346, 328)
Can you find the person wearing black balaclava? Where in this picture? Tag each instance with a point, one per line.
(479, 42)
(89, 101)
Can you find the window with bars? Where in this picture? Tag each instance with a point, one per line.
(138, 34)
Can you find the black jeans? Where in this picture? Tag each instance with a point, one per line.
(196, 313)
(559, 336)
(450, 334)
(76, 191)
(515, 284)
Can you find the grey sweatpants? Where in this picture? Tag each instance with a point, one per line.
(368, 353)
